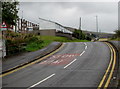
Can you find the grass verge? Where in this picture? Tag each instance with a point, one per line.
(34, 46)
(46, 40)
(117, 39)
(60, 39)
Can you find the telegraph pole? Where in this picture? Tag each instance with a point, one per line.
(22, 14)
(22, 22)
(80, 24)
(97, 23)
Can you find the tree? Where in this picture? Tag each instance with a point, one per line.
(0, 9)
(79, 34)
(9, 12)
(117, 33)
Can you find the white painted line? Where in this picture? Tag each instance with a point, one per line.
(85, 47)
(82, 53)
(70, 63)
(41, 81)
(85, 44)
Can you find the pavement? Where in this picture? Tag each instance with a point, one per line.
(77, 64)
(16, 60)
(2, 48)
(117, 45)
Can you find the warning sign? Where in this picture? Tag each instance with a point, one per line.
(4, 27)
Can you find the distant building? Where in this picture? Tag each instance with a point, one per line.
(50, 25)
(23, 25)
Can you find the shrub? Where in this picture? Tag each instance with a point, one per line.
(79, 34)
(17, 42)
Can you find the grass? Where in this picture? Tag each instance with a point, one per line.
(46, 40)
(60, 39)
(117, 39)
(34, 46)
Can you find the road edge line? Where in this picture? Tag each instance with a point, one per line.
(112, 59)
(113, 67)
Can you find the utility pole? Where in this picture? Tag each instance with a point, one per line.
(97, 23)
(22, 22)
(80, 24)
(100, 30)
(22, 14)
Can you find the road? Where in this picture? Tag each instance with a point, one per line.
(77, 64)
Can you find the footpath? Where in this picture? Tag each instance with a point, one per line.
(116, 74)
(20, 59)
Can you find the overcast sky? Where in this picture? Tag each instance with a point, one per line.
(68, 13)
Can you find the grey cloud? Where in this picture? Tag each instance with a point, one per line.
(68, 13)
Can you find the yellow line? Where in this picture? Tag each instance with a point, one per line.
(112, 70)
(32, 62)
(113, 66)
(101, 83)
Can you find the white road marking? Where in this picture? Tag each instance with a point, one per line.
(56, 61)
(41, 81)
(85, 44)
(82, 53)
(70, 63)
(85, 47)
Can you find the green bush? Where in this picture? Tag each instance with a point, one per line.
(79, 34)
(18, 42)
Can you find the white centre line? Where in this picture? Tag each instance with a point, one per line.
(70, 63)
(82, 53)
(41, 81)
(85, 44)
(85, 47)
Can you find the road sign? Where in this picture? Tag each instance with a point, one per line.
(4, 27)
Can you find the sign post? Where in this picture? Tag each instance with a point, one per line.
(3, 45)
(4, 27)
